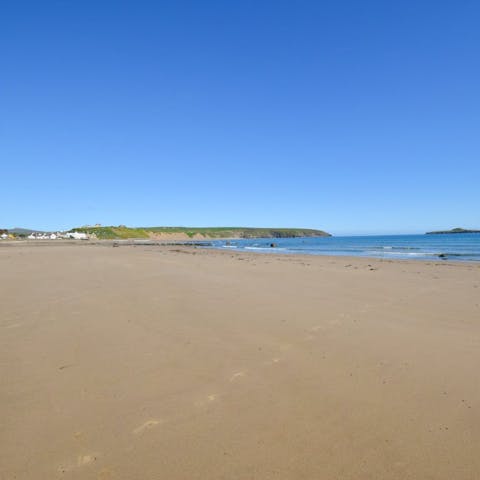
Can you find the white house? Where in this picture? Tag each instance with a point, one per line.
(53, 236)
(76, 235)
(3, 236)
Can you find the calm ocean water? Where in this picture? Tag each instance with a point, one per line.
(452, 247)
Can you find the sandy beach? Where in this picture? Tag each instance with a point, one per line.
(161, 362)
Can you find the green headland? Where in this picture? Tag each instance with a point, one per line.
(124, 232)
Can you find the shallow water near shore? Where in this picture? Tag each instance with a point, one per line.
(452, 247)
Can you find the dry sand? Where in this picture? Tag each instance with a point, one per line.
(180, 363)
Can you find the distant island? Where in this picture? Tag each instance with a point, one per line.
(453, 230)
(124, 232)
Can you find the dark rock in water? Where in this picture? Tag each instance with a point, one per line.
(273, 245)
(443, 255)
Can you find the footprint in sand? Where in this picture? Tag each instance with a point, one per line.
(82, 461)
(237, 375)
(146, 426)
(273, 361)
(85, 460)
(104, 474)
(208, 400)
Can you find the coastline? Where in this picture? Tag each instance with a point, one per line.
(433, 261)
(210, 246)
(198, 363)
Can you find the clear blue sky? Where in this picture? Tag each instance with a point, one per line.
(350, 116)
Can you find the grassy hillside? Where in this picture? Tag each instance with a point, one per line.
(122, 232)
(112, 233)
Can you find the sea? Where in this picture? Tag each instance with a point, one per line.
(451, 247)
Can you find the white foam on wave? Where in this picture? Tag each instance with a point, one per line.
(406, 254)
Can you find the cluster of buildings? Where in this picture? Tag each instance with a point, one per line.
(46, 236)
(57, 235)
(43, 236)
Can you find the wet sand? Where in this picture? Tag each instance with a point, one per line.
(154, 362)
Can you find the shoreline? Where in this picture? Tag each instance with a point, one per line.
(436, 259)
